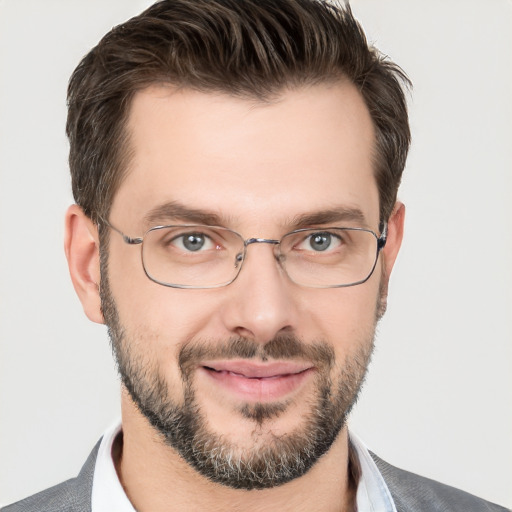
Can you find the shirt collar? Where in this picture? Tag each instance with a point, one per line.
(108, 494)
(372, 492)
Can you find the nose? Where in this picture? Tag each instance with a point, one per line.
(261, 302)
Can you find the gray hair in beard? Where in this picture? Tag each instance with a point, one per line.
(184, 427)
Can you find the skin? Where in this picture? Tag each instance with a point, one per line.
(257, 166)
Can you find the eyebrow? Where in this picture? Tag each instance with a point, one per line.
(330, 216)
(173, 211)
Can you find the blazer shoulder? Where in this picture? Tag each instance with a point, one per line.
(73, 495)
(415, 493)
(61, 497)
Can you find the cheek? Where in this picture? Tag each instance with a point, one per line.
(165, 317)
(345, 317)
(144, 307)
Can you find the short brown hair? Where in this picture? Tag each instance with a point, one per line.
(248, 48)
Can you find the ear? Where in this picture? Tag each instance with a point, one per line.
(394, 239)
(389, 254)
(81, 244)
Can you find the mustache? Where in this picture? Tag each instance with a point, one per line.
(286, 346)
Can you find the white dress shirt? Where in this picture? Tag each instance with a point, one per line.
(108, 494)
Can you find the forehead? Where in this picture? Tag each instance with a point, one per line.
(248, 161)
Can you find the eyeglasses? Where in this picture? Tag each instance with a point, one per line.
(198, 256)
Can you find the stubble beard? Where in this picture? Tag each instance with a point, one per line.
(272, 460)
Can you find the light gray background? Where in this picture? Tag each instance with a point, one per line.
(438, 399)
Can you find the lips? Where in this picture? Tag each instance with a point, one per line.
(251, 370)
(257, 381)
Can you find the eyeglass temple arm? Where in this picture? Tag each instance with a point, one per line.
(381, 241)
(127, 239)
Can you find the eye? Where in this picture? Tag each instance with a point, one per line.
(320, 241)
(193, 242)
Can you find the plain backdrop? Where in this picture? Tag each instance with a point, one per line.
(438, 398)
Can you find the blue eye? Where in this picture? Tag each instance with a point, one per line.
(192, 242)
(320, 241)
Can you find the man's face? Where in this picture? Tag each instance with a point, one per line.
(252, 382)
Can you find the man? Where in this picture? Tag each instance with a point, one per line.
(235, 168)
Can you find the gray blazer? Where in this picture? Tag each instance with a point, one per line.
(411, 493)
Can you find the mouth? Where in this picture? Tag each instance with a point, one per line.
(257, 382)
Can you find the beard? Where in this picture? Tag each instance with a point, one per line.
(271, 459)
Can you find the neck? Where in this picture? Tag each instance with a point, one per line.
(155, 478)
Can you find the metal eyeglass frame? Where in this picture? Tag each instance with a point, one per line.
(381, 242)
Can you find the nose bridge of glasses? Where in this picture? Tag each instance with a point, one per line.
(250, 241)
(275, 244)
(241, 256)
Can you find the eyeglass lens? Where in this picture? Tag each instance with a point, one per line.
(207, 257)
